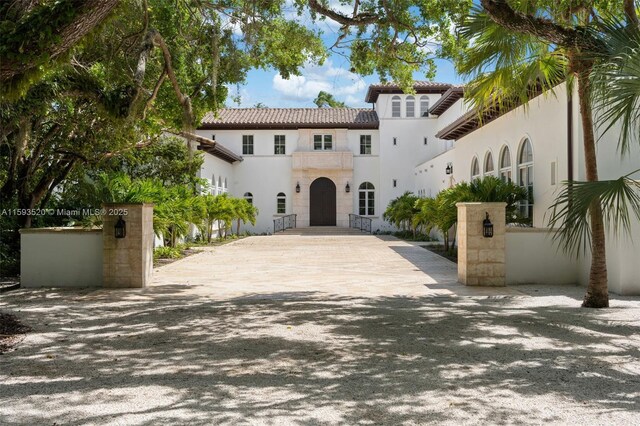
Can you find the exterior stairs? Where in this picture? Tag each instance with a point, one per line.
(322, 230)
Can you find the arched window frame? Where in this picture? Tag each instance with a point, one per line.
(281, 203)
(489, 166)
(525, 176)
(396, 105)
(366, 199)
(214, 188)
(424, 106)
(249, 197)
(410, 106)
(506, 170)
(475, 168)
(225, 188)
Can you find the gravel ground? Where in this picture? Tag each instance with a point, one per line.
(164, 355)
(319, 330)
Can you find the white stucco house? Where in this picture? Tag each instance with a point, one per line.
(323, 164)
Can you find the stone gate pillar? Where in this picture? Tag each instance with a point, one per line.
(481, 260)
(128, 261)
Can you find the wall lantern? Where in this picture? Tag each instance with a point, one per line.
(347, 188)
(487, 227)
(449, 168)
(121, 228)
(298, 187)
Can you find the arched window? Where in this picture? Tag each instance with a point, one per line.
(213, 185)
(424, 106)
(505, 164)
(475, 168)
(281, 203)
(395, 106)
(225, 188)
(249, 197)
(488, 164)
(411, 106)
(525, 177)
(219, 185)
(366, 194)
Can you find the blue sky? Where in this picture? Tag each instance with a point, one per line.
(269, 88)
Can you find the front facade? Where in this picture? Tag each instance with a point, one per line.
(323, 164)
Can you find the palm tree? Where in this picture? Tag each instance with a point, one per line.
(400, 211)
(244, 212)
(615, 81)
(518, 53)
(491, 189)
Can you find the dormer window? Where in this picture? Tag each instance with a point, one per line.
(395, 106)
(424, 106)
(411, 106)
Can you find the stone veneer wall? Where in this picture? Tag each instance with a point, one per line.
(128, 262)
(334, 165)
(481, 261)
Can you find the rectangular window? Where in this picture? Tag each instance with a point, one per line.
(322, 142)
(395, 141)
(247, 144)
(553, 173)
(365, 144)
(425, 141)
(279, 146)
(395, 183)
(282, 205)
(213, 137)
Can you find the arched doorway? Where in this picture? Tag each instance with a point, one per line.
(322, 206)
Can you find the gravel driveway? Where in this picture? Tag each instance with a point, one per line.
(191, 351)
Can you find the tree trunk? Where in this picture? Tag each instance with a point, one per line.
(90, 13)
(597, 295)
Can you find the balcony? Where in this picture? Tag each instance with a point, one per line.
(323, 160)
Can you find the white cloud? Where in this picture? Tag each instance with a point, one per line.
(338, 81)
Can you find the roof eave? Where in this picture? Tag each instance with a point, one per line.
(287, 126)
(374, 91)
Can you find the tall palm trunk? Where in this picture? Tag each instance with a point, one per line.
(597, 295)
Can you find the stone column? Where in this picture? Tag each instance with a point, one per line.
(481, 261)
(128, 261)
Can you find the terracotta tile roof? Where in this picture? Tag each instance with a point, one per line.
(212, 147)
(290, 118)
(418, 86)
(447, 99)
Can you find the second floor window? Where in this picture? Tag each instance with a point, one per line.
(247, 144)
(365, 144)
(322, 142)
(411, 106)
(279, 145)
(395, 106)
(424, 106)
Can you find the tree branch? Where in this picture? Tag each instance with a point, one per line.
(358, 20)
(576, 37)
(90, 14)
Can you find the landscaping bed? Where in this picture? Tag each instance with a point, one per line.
(12, 331)
(438, 249)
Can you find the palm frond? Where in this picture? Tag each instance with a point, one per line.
(616, 80)
(507, 69)
(570, 212)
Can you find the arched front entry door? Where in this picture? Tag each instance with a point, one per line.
(322, 208)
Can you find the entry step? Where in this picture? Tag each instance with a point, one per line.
(322, 230)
